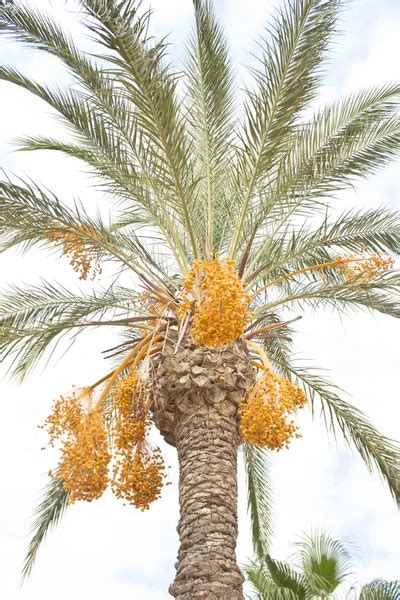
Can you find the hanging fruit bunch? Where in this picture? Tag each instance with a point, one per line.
(364, 268)
(79, 426)
(265, 410)
(138, 472)
(79, 244)
(77, 421)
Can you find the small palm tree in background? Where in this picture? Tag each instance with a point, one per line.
(321, 566)
(219, 221)
(378, 589)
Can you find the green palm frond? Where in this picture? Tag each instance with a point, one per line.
(286, 81)
(380, 293)
(259, 500)
(118, 179)
(357, 155)
(210, 116)
(50, 510)
(33, 318)
(152, 88)
(378, 589)
(260, 581)
(42, 33)
(378, 452)
(284, 576)
(265, 587)
(99, 145)
(29, 213)
(103, 118)
(321, 565)
(354, 231)
(325, 563)
(349, 139)
(81, 118)
(343, 141)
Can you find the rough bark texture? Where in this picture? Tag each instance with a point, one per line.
(196, 396)
(207, 451)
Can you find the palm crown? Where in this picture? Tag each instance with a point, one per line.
(221, 214)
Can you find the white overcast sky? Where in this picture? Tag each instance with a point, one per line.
(105, 550)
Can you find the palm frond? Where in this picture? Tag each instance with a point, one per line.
(379, 293)
(259, 497)
(28, 214)
(350, 138)
(353, 231)
(210, 116)
(140, 207)
(265, 587)
(378, 452)
(50, 510)
(356, 155)
(378, 589)
(33, 318)
(96, 85)
(39, 31)
(325, 563)
(103, 118)
(285, 83)
(152, 88)
(79, 115)
(260, 581)
(284, 576)
(99, 145)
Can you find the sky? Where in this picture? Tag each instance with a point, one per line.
(104, 548)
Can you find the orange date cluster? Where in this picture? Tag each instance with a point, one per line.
(264, 412)
(221, 306)
(138, 472)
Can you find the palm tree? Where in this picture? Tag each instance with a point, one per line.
(221, 217)
(378, 589)
(321, 566)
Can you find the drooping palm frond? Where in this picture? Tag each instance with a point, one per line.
(33, 318)
(104, 118)
(343, 141)
(48, 513)
(259, 497)
(378, 452)
(349, 139)
(378, 589)
(99, 140)
(29, 214)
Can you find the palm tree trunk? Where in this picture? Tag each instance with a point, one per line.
(197, 391)
(207, 444)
